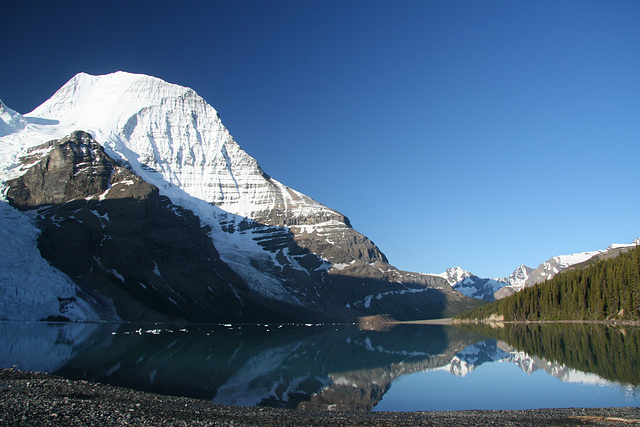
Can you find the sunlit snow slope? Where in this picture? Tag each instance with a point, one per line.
(169, 129)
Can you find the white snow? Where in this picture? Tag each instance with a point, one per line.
(10, 120)
(366, 301)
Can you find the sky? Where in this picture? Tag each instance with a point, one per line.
(481, 134)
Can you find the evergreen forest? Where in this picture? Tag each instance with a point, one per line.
(604, 290)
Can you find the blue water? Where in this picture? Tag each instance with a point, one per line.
(500, 386)
(404, 368)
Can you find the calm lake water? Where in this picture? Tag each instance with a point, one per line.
(404, 368)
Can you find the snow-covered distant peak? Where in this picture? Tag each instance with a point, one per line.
(613, 246)
(454, 275)
(10, 120)
(564, 261)
(103, 102)
(471, 285)
(519, 277)
(556, 264)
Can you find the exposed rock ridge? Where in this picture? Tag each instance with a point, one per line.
(59, 171)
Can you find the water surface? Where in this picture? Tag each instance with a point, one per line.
(403, 368)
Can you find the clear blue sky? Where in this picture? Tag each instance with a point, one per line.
(483, 134)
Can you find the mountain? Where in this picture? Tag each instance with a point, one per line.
(515, 282)
(490, 289)
(10, 120)
(134, 196)
(471, 285)
(605, 290)
(548, 269)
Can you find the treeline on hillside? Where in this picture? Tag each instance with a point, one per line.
(608, 351)
(608, 289)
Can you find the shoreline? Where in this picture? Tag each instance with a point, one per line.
(30, 398)
(566, 322)
(382, 322)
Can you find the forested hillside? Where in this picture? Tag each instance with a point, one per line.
(606, 289)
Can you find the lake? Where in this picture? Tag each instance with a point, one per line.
(342, 367)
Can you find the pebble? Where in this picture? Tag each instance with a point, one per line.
(53, 401)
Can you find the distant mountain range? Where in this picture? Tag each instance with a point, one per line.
(491, 289)
(124, 197)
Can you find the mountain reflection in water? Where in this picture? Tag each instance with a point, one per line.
(293, 366)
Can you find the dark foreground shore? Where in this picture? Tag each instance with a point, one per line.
(34, 399)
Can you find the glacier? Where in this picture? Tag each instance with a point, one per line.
(40, 290)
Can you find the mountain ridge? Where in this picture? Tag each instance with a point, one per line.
(491, 289)
(283, 245)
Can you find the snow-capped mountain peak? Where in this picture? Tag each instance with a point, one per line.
(170, 130)
(98, 100)
(10, 120)
(613, 246)
(454, 275)
(518, 278)
(471, 285)
(524, 276)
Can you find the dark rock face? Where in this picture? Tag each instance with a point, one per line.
(75, 167)
(117, 237)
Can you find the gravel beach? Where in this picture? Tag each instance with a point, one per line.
(36, 399)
